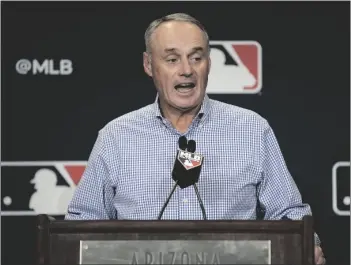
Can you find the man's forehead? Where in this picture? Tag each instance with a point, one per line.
(177, 24)
(174, 36)
(177, 28)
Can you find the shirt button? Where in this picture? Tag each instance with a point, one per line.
(185, 200)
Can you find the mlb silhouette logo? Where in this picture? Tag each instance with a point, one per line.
(236, 67)
(341, 188)
(32, 188)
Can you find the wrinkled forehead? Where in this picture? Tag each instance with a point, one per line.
(180, 37)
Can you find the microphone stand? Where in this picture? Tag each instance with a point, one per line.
(167, 201)
(200, 202)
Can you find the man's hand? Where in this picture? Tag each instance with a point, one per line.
(319, 256)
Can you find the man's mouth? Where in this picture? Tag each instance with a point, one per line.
(184, 87)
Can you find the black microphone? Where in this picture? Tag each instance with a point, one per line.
(191, 148)
(187, 167)
(182, 142)
(186, 170)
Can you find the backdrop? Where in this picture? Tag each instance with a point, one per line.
(69, 68)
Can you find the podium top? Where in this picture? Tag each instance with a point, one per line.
(150, 226)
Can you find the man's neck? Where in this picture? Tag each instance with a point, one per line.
(180, 119)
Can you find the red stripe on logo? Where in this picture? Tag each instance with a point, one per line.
(248, 54)
(75, 173)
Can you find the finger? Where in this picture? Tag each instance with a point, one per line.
(317, 251)
(321, 260)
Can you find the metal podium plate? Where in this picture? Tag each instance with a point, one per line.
(175, 252)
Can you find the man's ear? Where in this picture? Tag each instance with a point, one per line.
(147, 64)
(209, 64)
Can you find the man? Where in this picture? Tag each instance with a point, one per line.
(128, 172)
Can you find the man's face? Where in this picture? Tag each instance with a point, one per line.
(179, 64)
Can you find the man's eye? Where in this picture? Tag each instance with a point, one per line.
(172, 60)
(196, 57)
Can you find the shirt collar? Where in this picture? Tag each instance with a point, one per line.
(202, 114)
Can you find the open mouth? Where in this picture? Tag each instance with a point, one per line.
(184, 87)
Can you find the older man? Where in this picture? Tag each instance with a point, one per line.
(128, 172)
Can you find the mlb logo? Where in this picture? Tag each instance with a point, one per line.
(236, 67)
(341, 188)
(35, 187)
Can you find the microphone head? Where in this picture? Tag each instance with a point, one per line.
(187, 167)
(191, 146)
(182, 142)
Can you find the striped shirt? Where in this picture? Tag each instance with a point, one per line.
(128, 175)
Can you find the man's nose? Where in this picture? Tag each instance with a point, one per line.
(186, 69)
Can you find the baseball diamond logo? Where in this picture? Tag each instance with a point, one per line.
(35, 187)
(189, 160)
(236, 67)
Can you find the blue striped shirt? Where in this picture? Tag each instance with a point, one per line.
(128, 175)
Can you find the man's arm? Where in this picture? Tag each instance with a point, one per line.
(278, 193)
(93, 197)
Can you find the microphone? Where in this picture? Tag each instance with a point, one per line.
(191, 148)
(187, 167)
(182, 142)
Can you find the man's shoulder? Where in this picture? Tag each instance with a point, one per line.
(225, 112)
(136, 118)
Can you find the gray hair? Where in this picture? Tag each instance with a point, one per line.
(172, 17)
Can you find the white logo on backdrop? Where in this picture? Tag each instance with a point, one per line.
(46, 67)
(50, 195)
(49, 198)
(341, 182)
(236, 67)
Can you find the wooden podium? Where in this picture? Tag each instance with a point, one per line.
(234, 242)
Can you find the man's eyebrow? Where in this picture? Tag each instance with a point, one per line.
(195, 49)
(170, 50)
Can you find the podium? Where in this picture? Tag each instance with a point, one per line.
(175, 242)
